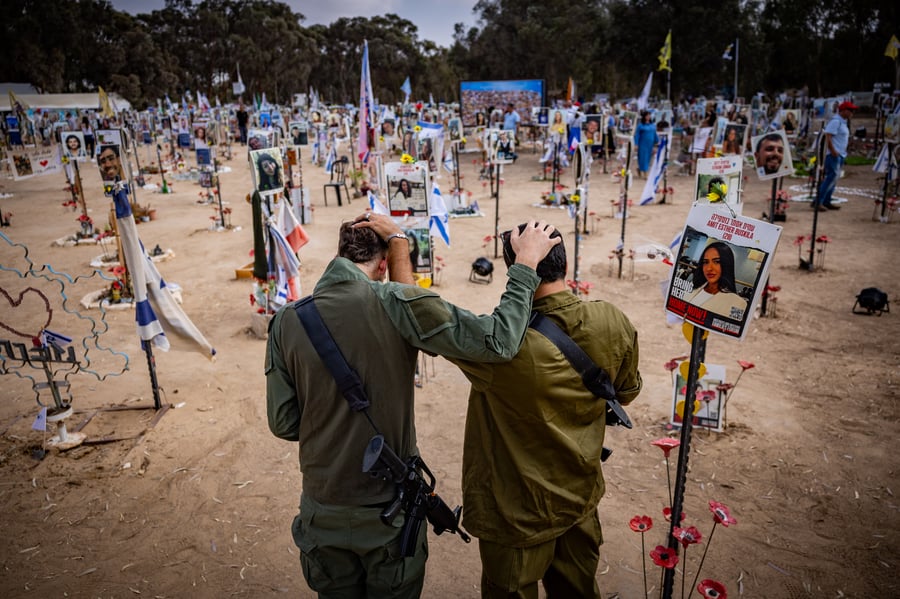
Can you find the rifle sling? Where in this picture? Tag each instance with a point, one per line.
(347, 379)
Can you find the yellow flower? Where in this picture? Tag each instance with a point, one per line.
(417, 128)
(65, 160)
(407, 159)
(812, 161)
(574, 198)
(561, 130)
(381, 138)
(463, 140)
(718, 192)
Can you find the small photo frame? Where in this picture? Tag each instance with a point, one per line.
(204, 156)
(790, 122)
(503, 146)
(420, 249)
(556, 123)
(734, 139)
(73, 146)
(425, 152)
(206, 179)
(111, 165)
(260, 139)
(772, 155)
(299, 133)
(708, 401)
(454, 128)
(388, 128)
(268, 171)
(592, 131)
(201, 139)
(265, 119)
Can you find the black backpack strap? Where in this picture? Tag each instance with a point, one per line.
(347, 379)
(592, 376)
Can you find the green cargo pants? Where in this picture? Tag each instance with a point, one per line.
(347, 552)
(567, 565)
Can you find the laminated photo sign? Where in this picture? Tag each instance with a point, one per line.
(720, 269)
(407, 188)
(268, 171)
(715, 175)
(772, 155)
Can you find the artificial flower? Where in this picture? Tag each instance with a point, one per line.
(822, 239)
(664, 557)
(641, 523)
(667, 514)
(717, 192)
(712, 589)
(407, 159)
(721, 514)
(706, 395)
(84, 218)
(667, 444)
(417, 128)
(745, 365)
(574, 198)
(463, 140)
(687, 536)
(381, 138)
(673, 363)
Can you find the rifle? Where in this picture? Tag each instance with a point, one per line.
(415, 495)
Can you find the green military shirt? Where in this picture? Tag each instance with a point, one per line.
(379, 328)
(534, 433)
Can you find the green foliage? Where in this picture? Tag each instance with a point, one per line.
(604, 45)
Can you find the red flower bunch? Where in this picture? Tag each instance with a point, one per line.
(664, 557)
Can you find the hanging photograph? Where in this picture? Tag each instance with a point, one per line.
(73, 146)
(720, 269)
(406, 188)
(772, 155)
(267, 170)
(299, 133)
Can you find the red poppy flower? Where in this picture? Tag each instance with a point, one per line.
(667, 514)
(687, 536)
(724, 387)
(641, 523)
(773, 288)
(706, 395)
(667, 444)
(117, 271)
(822, 239)
(721, 514)
(571, 284)
(712, 589)
(745, 365)
(664, 557)
(800, 240)
(673, 363)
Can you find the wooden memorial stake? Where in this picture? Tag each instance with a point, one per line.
(621, 250)
(698, 351)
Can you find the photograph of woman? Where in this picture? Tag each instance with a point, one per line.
(268, 171)
(714, 285)
(734, 139)
(399, 202)
(73, 146)
(200, 141)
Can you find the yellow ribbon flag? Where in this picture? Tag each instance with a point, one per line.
(665, 54)
(105, 107)
(892, 47)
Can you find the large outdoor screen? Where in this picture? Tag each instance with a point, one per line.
(480, 96)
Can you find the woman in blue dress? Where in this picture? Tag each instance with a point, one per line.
(645, 138)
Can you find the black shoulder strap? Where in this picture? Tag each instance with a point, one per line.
(592, 376)
(347, 379)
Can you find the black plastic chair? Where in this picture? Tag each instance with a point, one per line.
(338, 180)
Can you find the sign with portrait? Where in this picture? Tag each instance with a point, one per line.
(299, 133)
(420, 247)
(772, 155)
(734, 139)
(592, 132)
(34, 162)
(268, 171)
(503, 146)
(73, 145)
(407, 188)
(720, 269)
(201, 138)
(260, 139)
(111, 163)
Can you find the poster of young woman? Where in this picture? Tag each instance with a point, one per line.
(407, 186)
(720, 269)
(267, 169)
(420, 247)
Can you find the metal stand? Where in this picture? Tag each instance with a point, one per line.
(495, 193)
(621, 250)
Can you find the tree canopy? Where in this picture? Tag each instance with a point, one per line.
(605, 46)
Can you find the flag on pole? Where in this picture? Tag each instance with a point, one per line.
(892, 47)
(665, 54)
(570, 91)
(376, 205)
(155, 309)
(645, 93)
(440, 218)
(654, 177)
(406, 88)
(881, 163)
(169, 106)
(366, 99)
(40, 421)
(105, 107)
(238, 86)
(727, 54)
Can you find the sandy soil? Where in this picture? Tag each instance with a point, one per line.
(199, 503)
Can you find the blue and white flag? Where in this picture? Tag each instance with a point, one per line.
(57, 340)
(645, 93)
(881, 165)
(330, 159)
(376, 206)
(406, 88)
(157, 313)
(727, 54)
(654, 177)
(676, 241)
(440, 218)
(366, 107)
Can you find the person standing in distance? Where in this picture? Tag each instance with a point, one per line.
(837, 136)
(532, 479)
(345, 549)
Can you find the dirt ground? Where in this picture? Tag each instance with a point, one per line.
(199, 502)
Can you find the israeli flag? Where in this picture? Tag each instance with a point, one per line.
(440, 218)
(656, 172)
(376, 206)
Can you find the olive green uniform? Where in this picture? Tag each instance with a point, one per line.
(379, 328)
(531, 461)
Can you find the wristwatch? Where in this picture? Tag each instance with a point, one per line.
(396, 235)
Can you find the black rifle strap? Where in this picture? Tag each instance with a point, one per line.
(347, 379)
(594, 378)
